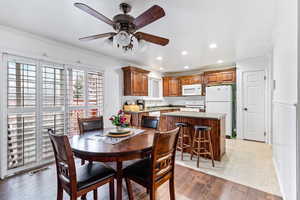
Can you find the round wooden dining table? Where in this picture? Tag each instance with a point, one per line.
(89, 146)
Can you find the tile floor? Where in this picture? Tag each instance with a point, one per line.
(245, 162)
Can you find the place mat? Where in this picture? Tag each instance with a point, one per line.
(112, 140)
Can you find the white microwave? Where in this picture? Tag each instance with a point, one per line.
(192, 90)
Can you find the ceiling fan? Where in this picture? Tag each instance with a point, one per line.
(126, 26)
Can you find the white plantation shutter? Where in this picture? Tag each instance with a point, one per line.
(54, 121)
(52, 105)
(85, 94)
(21, 85)
(53, 86)
(21, 109)
(95, 88)
(76, 87)
(22, 144)
(40, 96)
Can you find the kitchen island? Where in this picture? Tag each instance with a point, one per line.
(214, 120)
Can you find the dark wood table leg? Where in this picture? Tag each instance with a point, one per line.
(119, 180)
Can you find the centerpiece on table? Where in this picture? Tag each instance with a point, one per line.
(120, 122)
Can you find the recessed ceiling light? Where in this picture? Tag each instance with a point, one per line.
(184, 53)
(159, 58)
(220, 61)
(161, 68)
(213, 46)
(186, 67)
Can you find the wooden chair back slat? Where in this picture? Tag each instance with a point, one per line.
(65, 165)
(90, 124)
(149, 122)
(163, 153)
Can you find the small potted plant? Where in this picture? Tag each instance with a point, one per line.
(119, 120)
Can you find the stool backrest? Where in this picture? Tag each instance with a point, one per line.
(163, 153)
(149, 122)
(90, 124)
(65, 165)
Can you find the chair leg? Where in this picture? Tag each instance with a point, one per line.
(129, 189)
(60, 192)
(112, 190)
(152, 194)
(193, 144)
(172, 188)
(198, 149)
(95, 194)
(182, 143)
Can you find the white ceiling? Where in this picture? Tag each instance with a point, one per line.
(240, 28)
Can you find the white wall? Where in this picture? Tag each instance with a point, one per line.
(285, 69)
(250, 64)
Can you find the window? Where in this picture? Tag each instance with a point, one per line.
(53, 86)
(76, 87)
(85, 93)
(43, 95)
(95, 88)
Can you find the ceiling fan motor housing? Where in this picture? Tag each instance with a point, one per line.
(124, 22)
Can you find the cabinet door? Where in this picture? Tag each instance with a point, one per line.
(197, 79)
(144, 84)
(212, 78)
(137, 84)
(228, 77)
(165, 86)
(173, 87)
(185, 81)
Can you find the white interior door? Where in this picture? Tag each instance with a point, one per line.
(254, 105)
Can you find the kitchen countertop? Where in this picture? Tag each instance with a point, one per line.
(196, 115)
(153, 109)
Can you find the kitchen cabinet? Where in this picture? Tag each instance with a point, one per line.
(171, 87)
(217, 77)
(135, 81)
(191, 80)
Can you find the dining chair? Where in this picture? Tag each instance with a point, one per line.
(78, 181)
(89, 124)
(149, 122)
(153, 171)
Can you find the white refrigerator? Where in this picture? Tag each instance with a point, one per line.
(219, 100)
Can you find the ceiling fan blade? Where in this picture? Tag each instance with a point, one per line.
(152, 38)
(152, 14)
(94, 37)
(93, 12)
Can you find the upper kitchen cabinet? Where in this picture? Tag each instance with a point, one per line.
(191, 80)
(135, 81)
(227, 76)
(171, 87)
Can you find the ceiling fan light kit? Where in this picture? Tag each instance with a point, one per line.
(126, 37)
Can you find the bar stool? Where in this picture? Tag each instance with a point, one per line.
(182, 145)
(202, 136)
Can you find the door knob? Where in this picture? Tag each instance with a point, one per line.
(245, 109)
